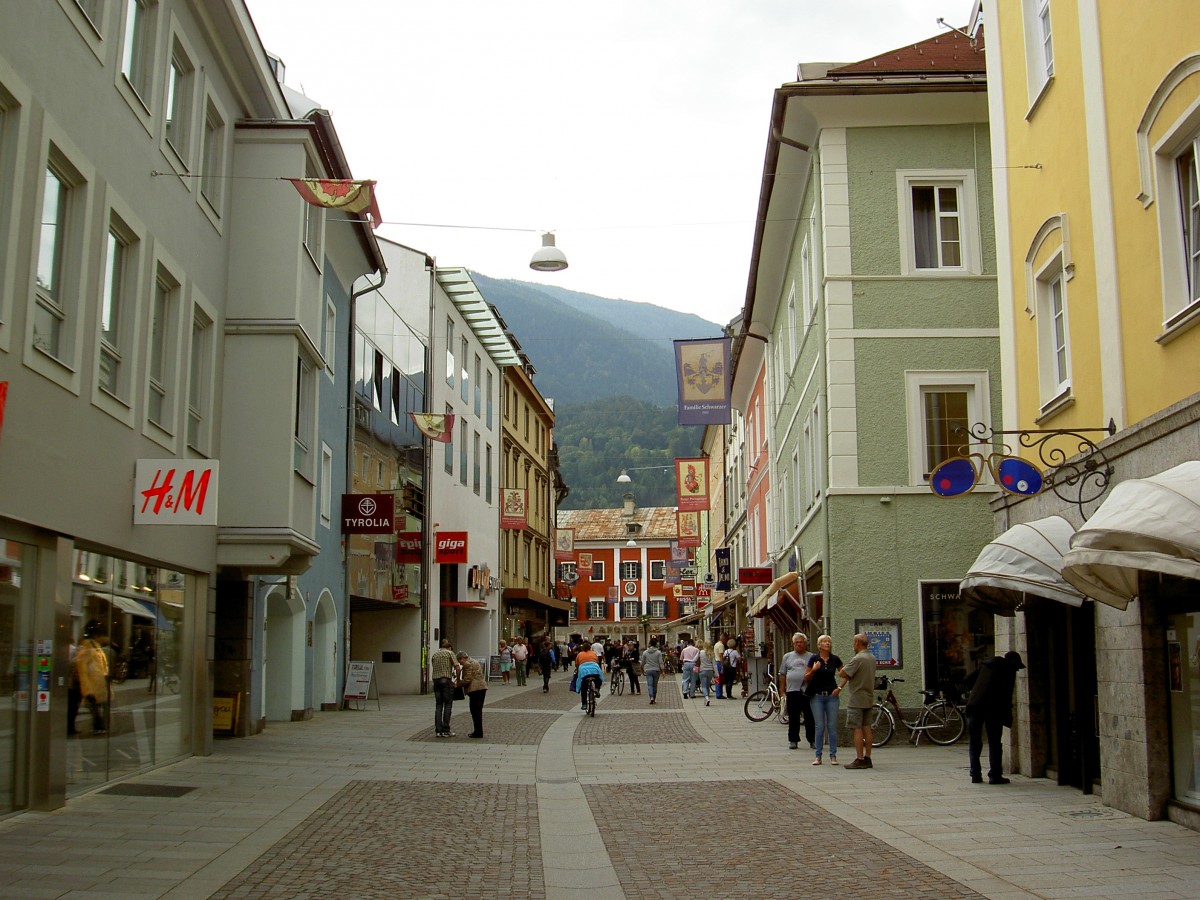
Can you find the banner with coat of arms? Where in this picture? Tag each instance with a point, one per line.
(435, 426)
(702, 370)
(513, 507)
(691, 484)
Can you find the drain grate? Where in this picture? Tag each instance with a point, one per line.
(559, 780)
(147, 790)
(1096, 812)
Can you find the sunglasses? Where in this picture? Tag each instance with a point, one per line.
(959, 474)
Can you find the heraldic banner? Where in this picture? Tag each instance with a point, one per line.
(702, 370)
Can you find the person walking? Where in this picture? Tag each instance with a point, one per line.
(989, 707)
(719, 664)
(475, 685)
(706, 669)
(687, 656)
(520, 655)
(823, 696)
(546, 664)
(859, 680)
(506, 662)
(652, 667)
(630, 659)
(443, 670)
(729, 672)
(791, 676)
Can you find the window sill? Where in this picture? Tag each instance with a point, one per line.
(1182, 321)
(1037, 99)
(1062, 402)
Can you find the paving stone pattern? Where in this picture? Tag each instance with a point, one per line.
(559, 698)
(653, 860)
(514, 728)
(650, 727)
(392, 839)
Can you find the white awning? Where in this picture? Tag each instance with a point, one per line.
(133, 607)
(1024, 561)
(761, 605)
(1146, 524)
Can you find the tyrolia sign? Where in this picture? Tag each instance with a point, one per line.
(367, 513)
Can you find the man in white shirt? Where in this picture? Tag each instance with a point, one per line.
(520, 655)
(792, 683)
(719, 662)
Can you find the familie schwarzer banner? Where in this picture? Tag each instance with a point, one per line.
(513, 503)
(691, 484)
(564, 544)
(702, 370)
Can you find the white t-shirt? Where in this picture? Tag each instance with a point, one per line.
(794, 665)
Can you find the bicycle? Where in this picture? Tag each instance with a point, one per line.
(589, 691)
(760, 705)
(617, 683)
(940, 720)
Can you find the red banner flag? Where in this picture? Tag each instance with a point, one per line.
(3, 400)
(438, 428)
(691, 484)
(340, 193)
(513, 502)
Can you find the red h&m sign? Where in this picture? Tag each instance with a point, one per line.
(408, 547)
(450, 547)
(175, 492)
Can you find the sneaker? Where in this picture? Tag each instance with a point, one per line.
(858, 764)
(817, 761)
(833, 761)
(450, 733)
(1000, 780)
(791, 745)
(976, 779)
(867, 764)
(438, 734)
(706, 703)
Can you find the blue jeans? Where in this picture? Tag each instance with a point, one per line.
(689, 679)
(720, 666)
(825, 711)
(652, 683)
(443, 695)
(706, 676)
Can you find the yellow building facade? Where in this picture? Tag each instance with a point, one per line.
(1095, 111)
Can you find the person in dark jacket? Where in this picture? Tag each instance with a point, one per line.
(989, 707)
(546, 664)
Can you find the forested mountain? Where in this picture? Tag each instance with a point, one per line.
(609, 368)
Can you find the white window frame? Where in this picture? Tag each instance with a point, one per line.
(213, 153)
(13, 127)
(658, 608)
(658, 569)
(806, 282)
(91, 26)
(162, 375)
(137, 58)
(476, 464)
(1180, 288)
(179, 103)
(970, 252)
(326, 485)
(630, 609)
(304, 417)
(1053, 334)
(120, 296)
(597, 570)
(329, 339)
(1039, 48)
(631, 570)
(314, 221)
(597, 610)
(449, 351)
(919, 382)
(201, 374)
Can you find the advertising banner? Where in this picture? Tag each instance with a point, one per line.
(755, 575)
(408, 548)
(175, 492)
(513, 506)
(702, 370)
(564, 544)
(724, 569)
(585, 564)
(687, 525)
(368, 513)
(691, 484)
(450, 547)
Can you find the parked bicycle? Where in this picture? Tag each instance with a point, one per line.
(940, 719)
(760, 705)
(616, 684)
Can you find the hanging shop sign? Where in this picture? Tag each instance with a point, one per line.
(368, 513)
(755, 575)
(585, 564)
(691, 484)
(408, 548)
(564, 544)
(450, 547)
(687, 525)
(175, 492)
(513, 505)
(724, 569)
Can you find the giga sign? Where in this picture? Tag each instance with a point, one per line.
(450, 547)
(367, 513)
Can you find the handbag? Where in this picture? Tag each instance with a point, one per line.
(459, 693)
(574, 683)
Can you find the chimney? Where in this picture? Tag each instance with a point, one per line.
(630, 506)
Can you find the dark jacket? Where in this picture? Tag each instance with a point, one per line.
(991, 690)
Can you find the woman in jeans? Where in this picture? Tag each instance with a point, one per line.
(822, 689)
(706, 668)
(652, 667)
(475, 686)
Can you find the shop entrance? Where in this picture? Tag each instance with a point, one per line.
(1063, 643)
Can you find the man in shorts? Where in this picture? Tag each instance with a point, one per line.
(858, 686)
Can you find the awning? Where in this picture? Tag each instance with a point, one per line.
(782, 583)
(466, 604)
(535, 597)
(133, 607)
(1024, 561)
(1146, 524)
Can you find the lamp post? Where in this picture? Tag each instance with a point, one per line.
(624, 478)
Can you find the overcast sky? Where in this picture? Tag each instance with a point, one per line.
(633, 129)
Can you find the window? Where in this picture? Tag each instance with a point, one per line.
(792, 319)
(566, 570)
(478, 387)
(475, 462)
(305, 423)
(814, 473)
(326, 485)
(937, 216)
(597, 570)
(631, 609)
(394, 406)
(797, 481)
(180, 74)
(92, 9)
(487, 474)
(59, 241)
(117, 304)
(597, 609)
(462, 451)
(212, 158)
(1054, 360)
(450, 352)
(657, 569)
(449, 445)
(490, 391)
(160, 373)
(464, 384)
(631, 571)
(314, 219)
(137, 47)
(806, 282)
(942, 407)
(329, 338)
(1187, 172)
(658, 609)
(200, 369)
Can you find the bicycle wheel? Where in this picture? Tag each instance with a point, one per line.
(591, 698)
(758, 706)
(944, 723)
(621, 684)
(612, 685)
(882, 725)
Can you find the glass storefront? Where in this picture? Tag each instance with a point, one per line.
(18, 568)
(957, 637)
(125, 705)
(1183, 683)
